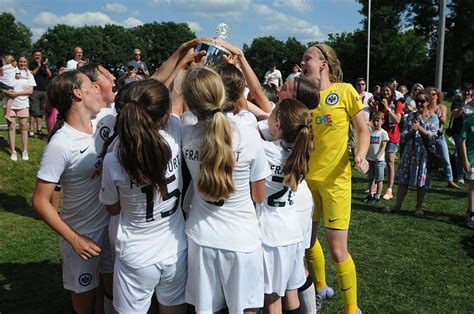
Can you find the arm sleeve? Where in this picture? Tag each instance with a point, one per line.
(259, 168)
(53, 163)
(354, 102)
(399, 108)
(464, 129)
(108, 190)
(31, 79)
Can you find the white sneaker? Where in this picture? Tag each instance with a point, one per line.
(326, 292)
(14, 156)
(24, 156)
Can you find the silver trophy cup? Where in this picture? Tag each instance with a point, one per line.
(214, 52)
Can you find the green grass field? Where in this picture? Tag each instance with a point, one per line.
(404, 264)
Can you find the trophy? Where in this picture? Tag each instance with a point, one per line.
(214, 51)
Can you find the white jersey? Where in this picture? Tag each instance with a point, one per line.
(72, 158)
(151, 225)
(247, 118)
(103, 123)
(229, 224)
(303, 197)
(279, 222)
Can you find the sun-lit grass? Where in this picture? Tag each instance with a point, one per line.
(404, 264)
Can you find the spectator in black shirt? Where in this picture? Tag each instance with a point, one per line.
(42, 73)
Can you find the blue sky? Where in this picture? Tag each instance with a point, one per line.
(305, 20)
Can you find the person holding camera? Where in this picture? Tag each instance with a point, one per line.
(393, 111)
(441, 146)
(42, 74)
(138, 64)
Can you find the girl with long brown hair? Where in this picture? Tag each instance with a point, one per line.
(141, 183)
(288, 154)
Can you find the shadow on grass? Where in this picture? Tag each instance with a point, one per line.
(32, 288)
(429, 215)
(469, 249)
(16, 204)
(4, 147)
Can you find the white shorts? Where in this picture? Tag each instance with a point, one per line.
(306, 221)
(133, 288)
(284, 268)
(219, 278)
(81, 275)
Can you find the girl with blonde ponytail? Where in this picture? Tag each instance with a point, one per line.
(223, 156)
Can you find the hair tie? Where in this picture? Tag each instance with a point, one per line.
(302, 126)
(216, 111)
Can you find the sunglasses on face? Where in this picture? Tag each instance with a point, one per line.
(420, 101)
(360, 84)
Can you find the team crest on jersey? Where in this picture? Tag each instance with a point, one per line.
(332, 99)
(85, 279)
(104, 133)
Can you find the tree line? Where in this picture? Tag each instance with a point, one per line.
(403, 43)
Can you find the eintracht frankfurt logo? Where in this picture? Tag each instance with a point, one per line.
(332, 99)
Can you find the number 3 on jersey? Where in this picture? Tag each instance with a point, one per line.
(150, 197)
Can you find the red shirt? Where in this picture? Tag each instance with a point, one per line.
(390, 125)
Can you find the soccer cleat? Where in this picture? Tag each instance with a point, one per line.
(14, 156)
(24, 156)
(31, 134)
(359, 311)
(461, 181)
(326, 293)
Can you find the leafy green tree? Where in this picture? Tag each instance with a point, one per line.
(158, 41)
(459, 43)
(112, 45)
(15, 37)
(265, 52)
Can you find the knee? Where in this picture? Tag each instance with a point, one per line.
(339, 254)
(11, 126)
(22, 126)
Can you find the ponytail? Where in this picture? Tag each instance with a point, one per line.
(60, 95)
(217, 159)
(298, 136)
(204, 94)
(143, 152)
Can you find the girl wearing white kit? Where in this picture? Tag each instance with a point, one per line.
(228, 167)
(290, 128)
(72, 157)
(141, 183)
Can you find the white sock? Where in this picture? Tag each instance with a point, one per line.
(308, 300)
